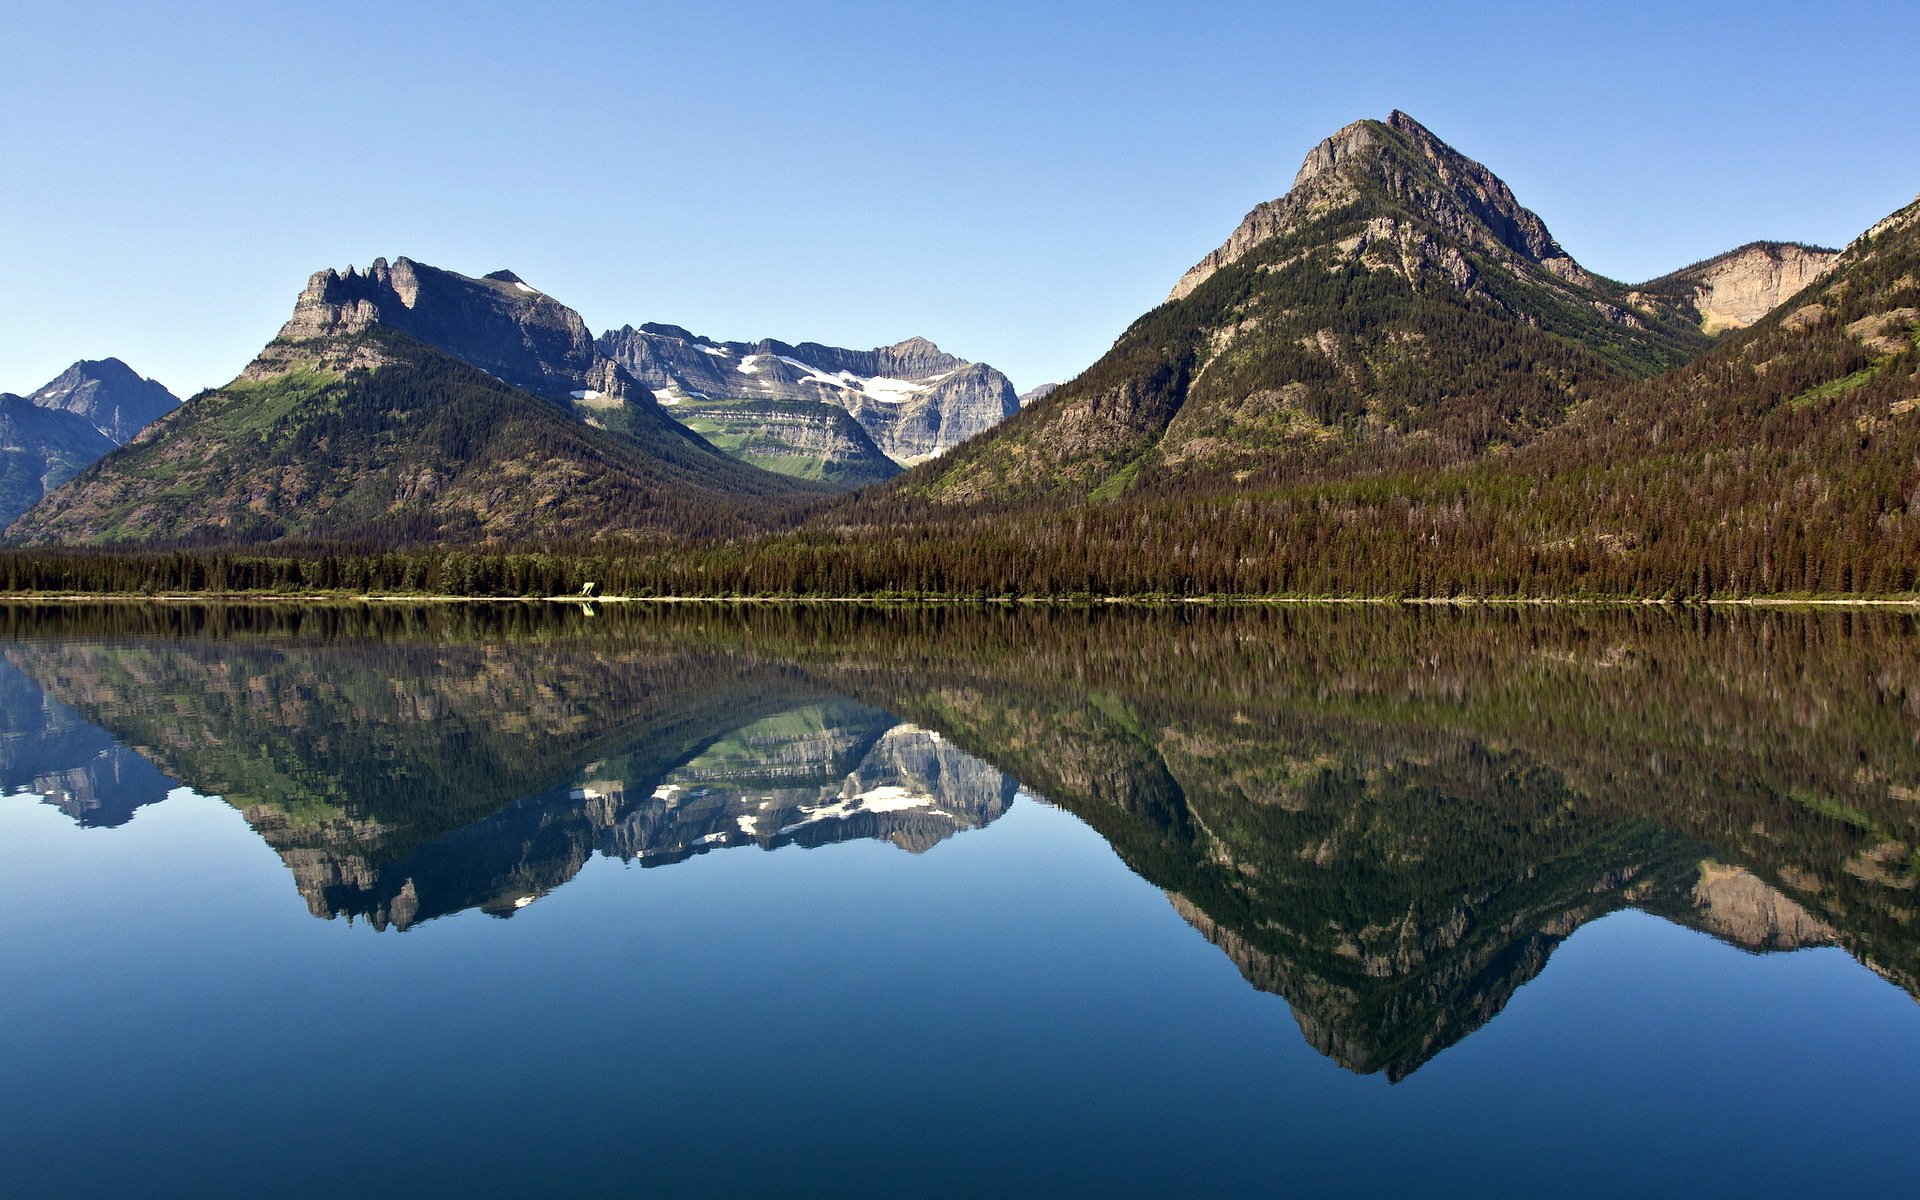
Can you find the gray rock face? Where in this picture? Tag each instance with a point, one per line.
(1038, 394)
(40, 449)
(498, 322)
(110, 396)
(913, 400)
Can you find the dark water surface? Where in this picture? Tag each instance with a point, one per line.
(917, 902)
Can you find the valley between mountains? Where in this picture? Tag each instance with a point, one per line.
(1391, 381)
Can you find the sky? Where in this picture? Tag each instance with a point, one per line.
(1016, 181)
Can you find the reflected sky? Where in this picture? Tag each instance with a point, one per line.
(717, 905)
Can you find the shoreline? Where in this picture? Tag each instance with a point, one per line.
(338, 598)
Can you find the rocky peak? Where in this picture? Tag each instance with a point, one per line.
(916, 358)
(497, 322)
(1403, 163)
(110, 395)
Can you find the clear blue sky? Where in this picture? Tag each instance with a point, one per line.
(1016, 181)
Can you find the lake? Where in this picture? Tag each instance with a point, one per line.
(529, 900)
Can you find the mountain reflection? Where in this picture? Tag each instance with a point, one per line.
(1388, 818)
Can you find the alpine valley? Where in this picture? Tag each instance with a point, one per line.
(1392, 380)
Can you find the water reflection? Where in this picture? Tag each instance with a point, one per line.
(1390, 819)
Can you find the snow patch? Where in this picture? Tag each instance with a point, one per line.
(898, 391)
(747, 824)
(891, 798)
(523, 287)
(884, 799)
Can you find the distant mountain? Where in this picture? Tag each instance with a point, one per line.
(406, 405)
(913, 400)
(112, 398)
(1039, 393)
(50, 436)
(1397, 306)
(1736, 289)
(51, 751)
(40, 449)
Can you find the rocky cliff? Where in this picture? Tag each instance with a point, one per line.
(497, 322)
(1447, 189)
(914, 400)
(1736, 289)
(801, 438)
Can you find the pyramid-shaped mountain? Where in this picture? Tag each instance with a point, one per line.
(112, 397)
(1397, 307)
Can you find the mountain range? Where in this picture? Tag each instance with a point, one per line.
(1391, 379)
(910, 401)
(409, 404)
(1390, 818)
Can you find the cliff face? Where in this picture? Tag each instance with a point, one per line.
(792, 437)
(1738, 288)
(497, 323)
(1732, 903)
(913, 400)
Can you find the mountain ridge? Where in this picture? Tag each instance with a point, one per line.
(1375, 314)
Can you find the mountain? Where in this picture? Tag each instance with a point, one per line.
(1389, 817)
(802, 438)
(40, 449)
(53, 434)
(410, 404)
(1397, 306)
(913, 400)
(1736, 289)
(112, 398)
(422, 801)
(1039, 393)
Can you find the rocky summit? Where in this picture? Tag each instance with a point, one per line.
(110, 395)
(50, 435)
(1397, 306)
(913, 400)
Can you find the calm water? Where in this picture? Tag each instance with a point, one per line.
(710, 901)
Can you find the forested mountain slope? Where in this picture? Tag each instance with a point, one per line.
(1785, 460)
(374, 437)
(1398, 307)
